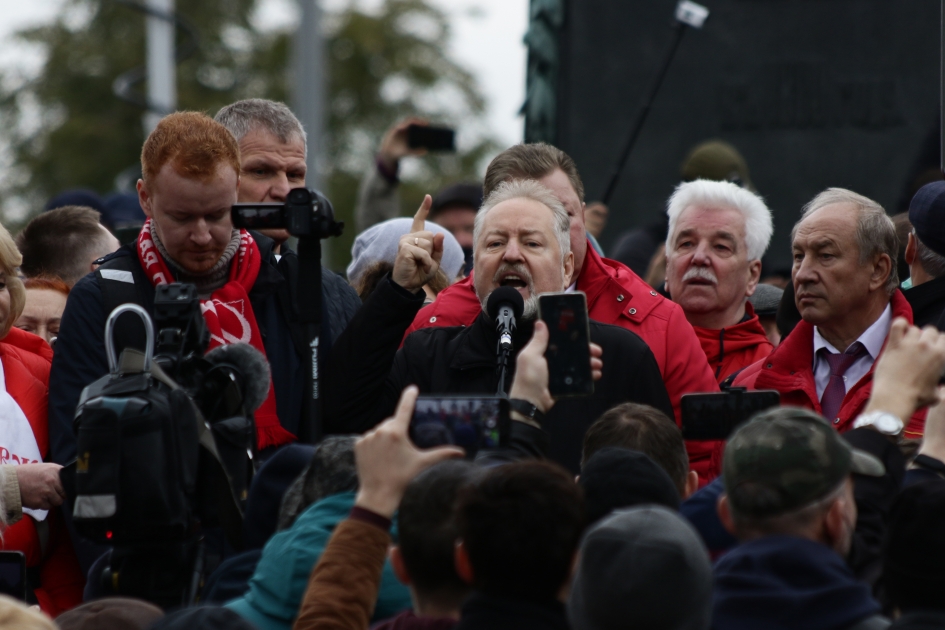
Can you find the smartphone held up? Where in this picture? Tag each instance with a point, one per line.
(569, 351)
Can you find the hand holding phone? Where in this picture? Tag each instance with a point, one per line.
(569, 351)
(431, 138)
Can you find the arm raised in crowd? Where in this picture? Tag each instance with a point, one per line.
(343, 587)
(357, 390)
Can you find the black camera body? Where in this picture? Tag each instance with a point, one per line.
(305, 213)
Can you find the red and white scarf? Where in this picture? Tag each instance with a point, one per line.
(229, 316)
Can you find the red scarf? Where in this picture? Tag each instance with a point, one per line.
(229, 316)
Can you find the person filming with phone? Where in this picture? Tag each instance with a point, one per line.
(522, 245)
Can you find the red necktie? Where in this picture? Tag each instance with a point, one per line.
(836, 389)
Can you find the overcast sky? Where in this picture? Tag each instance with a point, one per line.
(487, 39)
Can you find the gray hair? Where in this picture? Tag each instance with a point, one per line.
(875, 232)
(331, 471)
(703, 192)
(932, 263)
(242, 117)
(528, 189)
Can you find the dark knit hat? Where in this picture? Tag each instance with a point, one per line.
(615, 478)
(205, 618)
(466, 195)
(914, 554)
(927, 215)
(766, 299)
(110, 613)
(642, 568)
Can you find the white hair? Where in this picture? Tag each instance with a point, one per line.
(528, 189)
(703, 192)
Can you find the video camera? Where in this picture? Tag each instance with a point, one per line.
(165, 447)
(305, 213)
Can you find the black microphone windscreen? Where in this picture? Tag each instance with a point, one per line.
(252, 366)
(505, 295)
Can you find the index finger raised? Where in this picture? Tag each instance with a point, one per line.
(419, 219)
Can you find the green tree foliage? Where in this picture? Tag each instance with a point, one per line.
(65, 128)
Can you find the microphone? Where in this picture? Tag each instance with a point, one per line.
(238, 372)
(505, 306)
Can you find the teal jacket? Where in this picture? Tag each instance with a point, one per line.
(278, 585)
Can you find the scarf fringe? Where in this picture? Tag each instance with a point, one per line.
(273, 435)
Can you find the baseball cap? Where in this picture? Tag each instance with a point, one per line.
(927, 215)
(787, 458)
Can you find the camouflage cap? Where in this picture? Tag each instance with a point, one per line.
(786, 458)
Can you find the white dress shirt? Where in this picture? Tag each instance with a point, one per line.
(872, 339)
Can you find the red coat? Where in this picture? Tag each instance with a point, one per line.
(615, 295)
(789, 370)
(26, 360)
(731, 349)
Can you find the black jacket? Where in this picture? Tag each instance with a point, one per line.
(788, 583)
(928, 302)
(920, 620)
(367, 372)
(80, 349)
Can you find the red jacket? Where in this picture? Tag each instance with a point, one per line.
(615, 295)
(731, 349)
(789, 370)
(26, 360)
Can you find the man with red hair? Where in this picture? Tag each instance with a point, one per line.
(190, 179)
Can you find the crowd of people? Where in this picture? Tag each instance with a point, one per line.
(594, 512)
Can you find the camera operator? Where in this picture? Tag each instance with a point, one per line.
(191, 178)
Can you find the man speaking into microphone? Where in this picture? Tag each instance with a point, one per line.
(521, 241)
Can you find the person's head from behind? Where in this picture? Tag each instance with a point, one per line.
(190, 168)
(845, 248)
(12, 293)
(788, 472)
(914, 550)
(557, 172)
(64, 243)
(718, 233)
(16, 614)
(648, 430)
(519, 527)
(616, 478)
(113, 613)
(424, 557)
(272, 151)
(521, 241)
(45, 302)
(375, 250)
(627, 561)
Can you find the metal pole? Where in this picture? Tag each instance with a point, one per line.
(162, 79)
(308, 93)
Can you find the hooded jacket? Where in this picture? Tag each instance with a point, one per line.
(787, 583)
(615, 295)
(26, 360)
(789, 370)
(735, 347)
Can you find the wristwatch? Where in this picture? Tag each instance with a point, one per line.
(882, 421)
(527, 409)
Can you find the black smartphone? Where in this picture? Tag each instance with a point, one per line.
(431, 138)
(470, 422)
(569, 352)
(716, 416)
(13, 574)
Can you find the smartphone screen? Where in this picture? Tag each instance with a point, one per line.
(13, 574)
(432, 138)
(568, 353)
(716, 416)
(470, 422)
